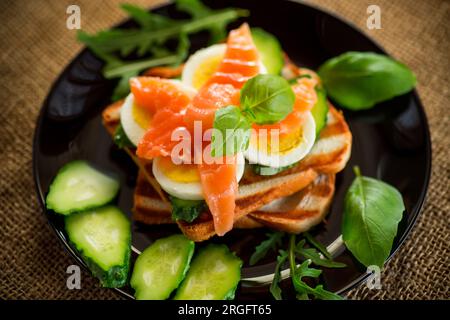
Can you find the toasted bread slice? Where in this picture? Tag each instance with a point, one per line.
(251, 196)
(295, 213)
(300, 211)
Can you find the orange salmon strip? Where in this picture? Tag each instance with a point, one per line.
(240, 63)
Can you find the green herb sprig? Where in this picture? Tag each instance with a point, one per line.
(297, 252)
(271, 243)
(149, 41)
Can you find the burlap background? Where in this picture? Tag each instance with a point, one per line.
(35, 46)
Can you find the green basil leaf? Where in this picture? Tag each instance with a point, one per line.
(187, 210)
(372, 211)
(359, 80)
(267, 99)
(231, 132)
(273, 240)
(275, 289)
(121, 139)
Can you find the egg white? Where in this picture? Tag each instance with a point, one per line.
(196, 59)
(132, 129)
(278, 160)
(188, 190)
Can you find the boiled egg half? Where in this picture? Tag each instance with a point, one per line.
(183, 181)
(202, 64)
(289, 149)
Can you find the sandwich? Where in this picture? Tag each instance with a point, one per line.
(289, 189)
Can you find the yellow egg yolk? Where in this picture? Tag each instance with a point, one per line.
(286, 142)
(179, 172)
(141, 115)
(205, 70)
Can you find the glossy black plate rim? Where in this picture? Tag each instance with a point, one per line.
(414, 213)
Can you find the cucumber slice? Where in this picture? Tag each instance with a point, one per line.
(270, 50)
(214, 275)
(103, 238)
(161, 267)
(320, 110)
(269, 171)
(78, 187)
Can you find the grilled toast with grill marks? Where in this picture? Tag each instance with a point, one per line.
(295, 213)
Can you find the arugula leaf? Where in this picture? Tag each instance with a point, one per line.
(273, 240)
(123, 86)
(198, 10)
(231, 132)
(275, 289)
(305, 271)
(116, 40)
(113, 71)
(151, 38)
(121, 139)
(187, 210)
(118, 68)
(267, 99)
(313, 255)
(145, 18)
(359, 80)
(317, 244)
(297, 273)
(372, 211)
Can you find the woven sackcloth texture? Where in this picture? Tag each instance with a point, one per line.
(35, 45)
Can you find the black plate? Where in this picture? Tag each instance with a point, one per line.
(390, 142)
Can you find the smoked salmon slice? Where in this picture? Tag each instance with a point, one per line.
(167, 103)
(240, 63)
(173, 110)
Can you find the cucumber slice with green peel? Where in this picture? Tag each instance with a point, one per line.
(269, 49)
(161, 267)
(214, 275)
(78, 186)
(270, 171)
(320, 110)
(103, 238)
